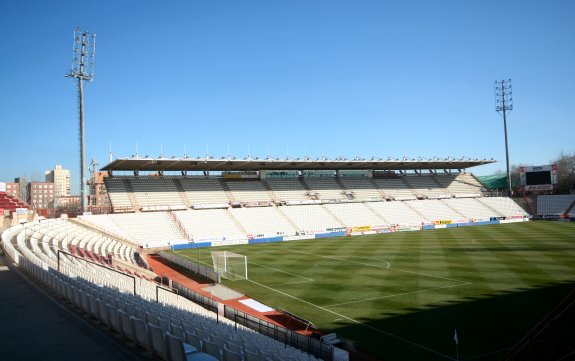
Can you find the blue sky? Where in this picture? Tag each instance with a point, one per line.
(338, 78)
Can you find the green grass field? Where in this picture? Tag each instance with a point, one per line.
(401, 296)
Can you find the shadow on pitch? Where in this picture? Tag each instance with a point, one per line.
(487, 326)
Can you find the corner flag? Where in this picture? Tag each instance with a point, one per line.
(456, 339)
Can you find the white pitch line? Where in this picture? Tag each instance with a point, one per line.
(349, 318)
(290, 283)
(261, 265)
(356, 321)
(279, 270)
(395, 295)
(193, 259)
(488, 354)
(433, 276)
(388, 266)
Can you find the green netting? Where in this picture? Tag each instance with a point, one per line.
(496, 181)
(230, 265)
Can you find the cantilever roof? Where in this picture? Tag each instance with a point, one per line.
(256, 164)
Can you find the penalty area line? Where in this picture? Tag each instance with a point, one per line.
(193, 259)
(387, 266)
(290, 283)
(397, 295)
(307, 279)
(355, 321)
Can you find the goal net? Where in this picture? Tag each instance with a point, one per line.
(230, 265)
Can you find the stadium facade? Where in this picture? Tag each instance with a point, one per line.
(192, 202)
(98, 262)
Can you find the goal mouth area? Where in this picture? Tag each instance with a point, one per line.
(230, 265)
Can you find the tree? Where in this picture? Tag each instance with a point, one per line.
(565, 172)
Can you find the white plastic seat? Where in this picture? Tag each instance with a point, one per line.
(156, 341)
(103, 314)
(85, 301)
(176, 348)
(140, 331)
(93, 303)
(202, 334)
(163, 323)
(232, 346)
(193, 340)
(231, 356)
(252, 356)
(177, 331)
(126, 324)
(212, 349)
(114, 318)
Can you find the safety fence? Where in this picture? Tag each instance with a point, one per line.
(310, 345)
(191, 266)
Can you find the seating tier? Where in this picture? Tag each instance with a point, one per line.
(118, 193)
(548, 205)
(362, 188)
(287, 189)
(504, 206)
(156, 191)
(262, 220)
(204, 191)
(311, 217)
(355, 214)
(248, 191)
(395, 188)
(208, 223)
(325, 187)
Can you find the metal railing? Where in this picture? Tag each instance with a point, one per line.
(304, 343)
(194, 267)
(552, 338)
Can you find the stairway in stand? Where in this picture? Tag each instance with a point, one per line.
(131, 195)
(180, 226)
(182, 192)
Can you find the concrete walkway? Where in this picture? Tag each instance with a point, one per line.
(35, 326)
(164, 268)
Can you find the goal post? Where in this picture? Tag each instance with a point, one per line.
(230, 265)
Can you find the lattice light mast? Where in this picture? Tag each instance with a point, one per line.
(84, 51)
(504, 103)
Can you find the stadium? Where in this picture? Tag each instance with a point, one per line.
(368, 239)
(302, 259)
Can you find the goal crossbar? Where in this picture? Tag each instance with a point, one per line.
(230, 265)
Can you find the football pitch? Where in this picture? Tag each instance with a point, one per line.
(401, 296)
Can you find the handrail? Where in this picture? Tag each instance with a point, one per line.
(194, 267)
(97, 264)
(548, 321)
(158, 288)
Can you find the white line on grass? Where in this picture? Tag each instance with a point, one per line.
(488, 354)
(289, 283)
(395, 295)
(433, 276)
(384, 267)
(306, 279)
(279, 270)
(193, 259)
(388, 265)
(349, 318)
(355, 321)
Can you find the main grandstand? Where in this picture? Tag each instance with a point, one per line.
(202, 202)
(98, 262)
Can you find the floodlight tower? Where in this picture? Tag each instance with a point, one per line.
(504, 103)
(84, 51)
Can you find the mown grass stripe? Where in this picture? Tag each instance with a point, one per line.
(505, 275)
